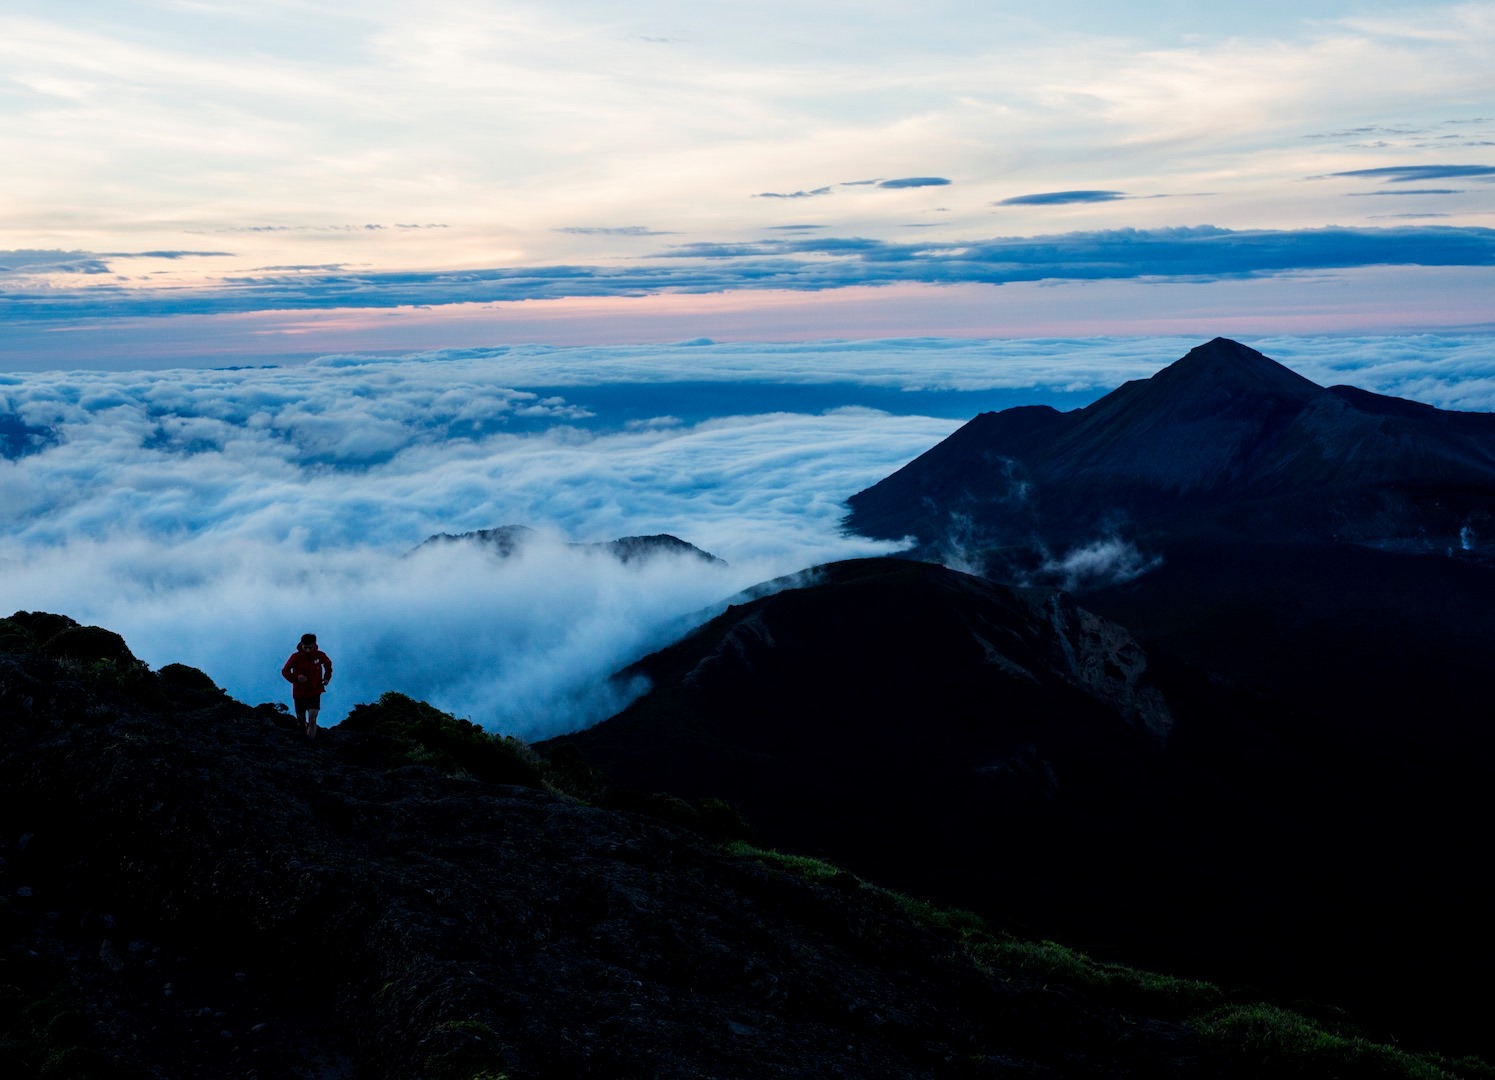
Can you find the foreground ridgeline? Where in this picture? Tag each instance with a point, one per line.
(191, 889)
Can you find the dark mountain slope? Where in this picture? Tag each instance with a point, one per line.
(1019, 756)
(1223, 444)
(938, 731)
(193, 889)
(890, 713)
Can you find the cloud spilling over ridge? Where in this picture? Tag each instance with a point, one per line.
(521, 645)
(213, 516)
(801, 263)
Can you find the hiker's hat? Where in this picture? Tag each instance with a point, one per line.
(308, 639)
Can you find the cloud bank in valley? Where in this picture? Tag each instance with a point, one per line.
(213, 516)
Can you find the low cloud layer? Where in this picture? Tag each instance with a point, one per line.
(213, 516)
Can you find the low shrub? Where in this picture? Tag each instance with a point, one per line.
(40, 626)
(1283, 1043)
(182, 677)
(1130, 987)
(448, 743)
(89, 644)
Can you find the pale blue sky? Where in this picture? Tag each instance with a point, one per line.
(697, 165)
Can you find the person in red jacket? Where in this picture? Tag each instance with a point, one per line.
(309, 670)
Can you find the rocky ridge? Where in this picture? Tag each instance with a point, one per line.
(202, 891)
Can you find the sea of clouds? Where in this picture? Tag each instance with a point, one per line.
(213, 516)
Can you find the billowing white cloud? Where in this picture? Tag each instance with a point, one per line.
(522, 645)
(213, 516)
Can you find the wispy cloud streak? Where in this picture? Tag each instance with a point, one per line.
(801, 263)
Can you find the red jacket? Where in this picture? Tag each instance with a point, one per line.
(314, 664)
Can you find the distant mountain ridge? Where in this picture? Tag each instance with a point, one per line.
(508, 540)
(1223, 444)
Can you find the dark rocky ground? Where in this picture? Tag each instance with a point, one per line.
(192, 889)
(1010, 752)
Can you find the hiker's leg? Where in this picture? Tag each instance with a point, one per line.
(313, 707)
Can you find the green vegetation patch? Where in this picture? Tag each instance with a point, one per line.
(28, 630)
(804, 866)
(1052, 962)
(450, 744)
(183, 677)
(1284, 1043)
(1267, 1039)
(1122, 987)
(464, 1050)
(44, 1029)
(90, 644)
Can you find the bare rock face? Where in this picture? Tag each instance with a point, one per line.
(1105, 659)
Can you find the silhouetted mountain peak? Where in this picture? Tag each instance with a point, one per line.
(1220, 380)
(1223, 364)
(1224, 442)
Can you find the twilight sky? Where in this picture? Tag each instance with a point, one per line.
(609, 268)
(194, 182)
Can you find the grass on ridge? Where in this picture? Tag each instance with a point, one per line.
(1284, 1043)
(1276, 1041)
